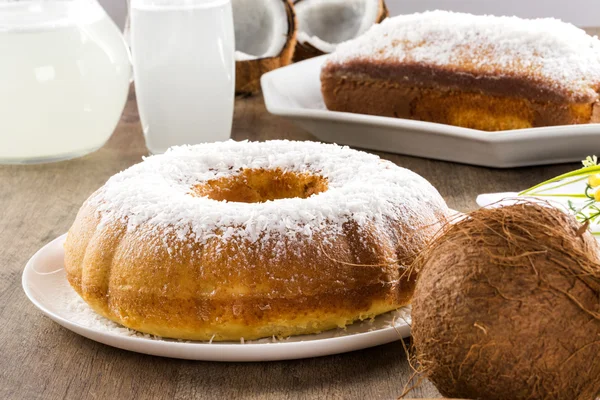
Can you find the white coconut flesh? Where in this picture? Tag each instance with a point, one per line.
(261, 28)
(326, 23)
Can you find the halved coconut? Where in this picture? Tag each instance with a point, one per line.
(323, 24)
(265, 39)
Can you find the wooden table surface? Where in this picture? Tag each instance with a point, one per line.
(40, 359)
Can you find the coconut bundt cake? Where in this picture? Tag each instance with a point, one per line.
(246, 240)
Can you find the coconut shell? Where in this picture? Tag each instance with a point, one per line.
(248, 72)
(507, 306)
(305, 51)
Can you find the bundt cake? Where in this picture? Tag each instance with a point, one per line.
(482, 72)
(236, 240)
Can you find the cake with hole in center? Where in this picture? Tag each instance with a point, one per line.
(482, 72)
(236, 240)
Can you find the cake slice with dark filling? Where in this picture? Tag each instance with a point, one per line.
(482, 72)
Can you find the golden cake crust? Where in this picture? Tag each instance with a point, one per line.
(157, 281)
(166, 296)
(466, 107)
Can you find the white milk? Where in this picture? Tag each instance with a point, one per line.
(183, 57)
(64, 78)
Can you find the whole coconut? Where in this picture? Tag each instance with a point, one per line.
(507, 306)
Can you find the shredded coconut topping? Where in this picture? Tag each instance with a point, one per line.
(547, 50)
(156, 194)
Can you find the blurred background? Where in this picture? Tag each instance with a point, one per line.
(583, 13)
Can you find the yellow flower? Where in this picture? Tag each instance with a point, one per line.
(594, 180)
(590, 161)
(597, 195)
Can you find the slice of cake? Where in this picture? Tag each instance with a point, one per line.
(481, 72)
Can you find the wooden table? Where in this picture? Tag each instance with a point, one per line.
(40, 359)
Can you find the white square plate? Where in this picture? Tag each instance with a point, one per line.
(295, 92)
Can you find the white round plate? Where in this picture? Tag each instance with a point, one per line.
(46, 285)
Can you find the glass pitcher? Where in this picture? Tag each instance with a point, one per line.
(64, 79)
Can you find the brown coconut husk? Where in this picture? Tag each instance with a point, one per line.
(248, 72)
(507, 306)
(305, 51)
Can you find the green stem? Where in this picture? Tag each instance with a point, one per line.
(585, 212)
(568, 182)
(587, 171)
